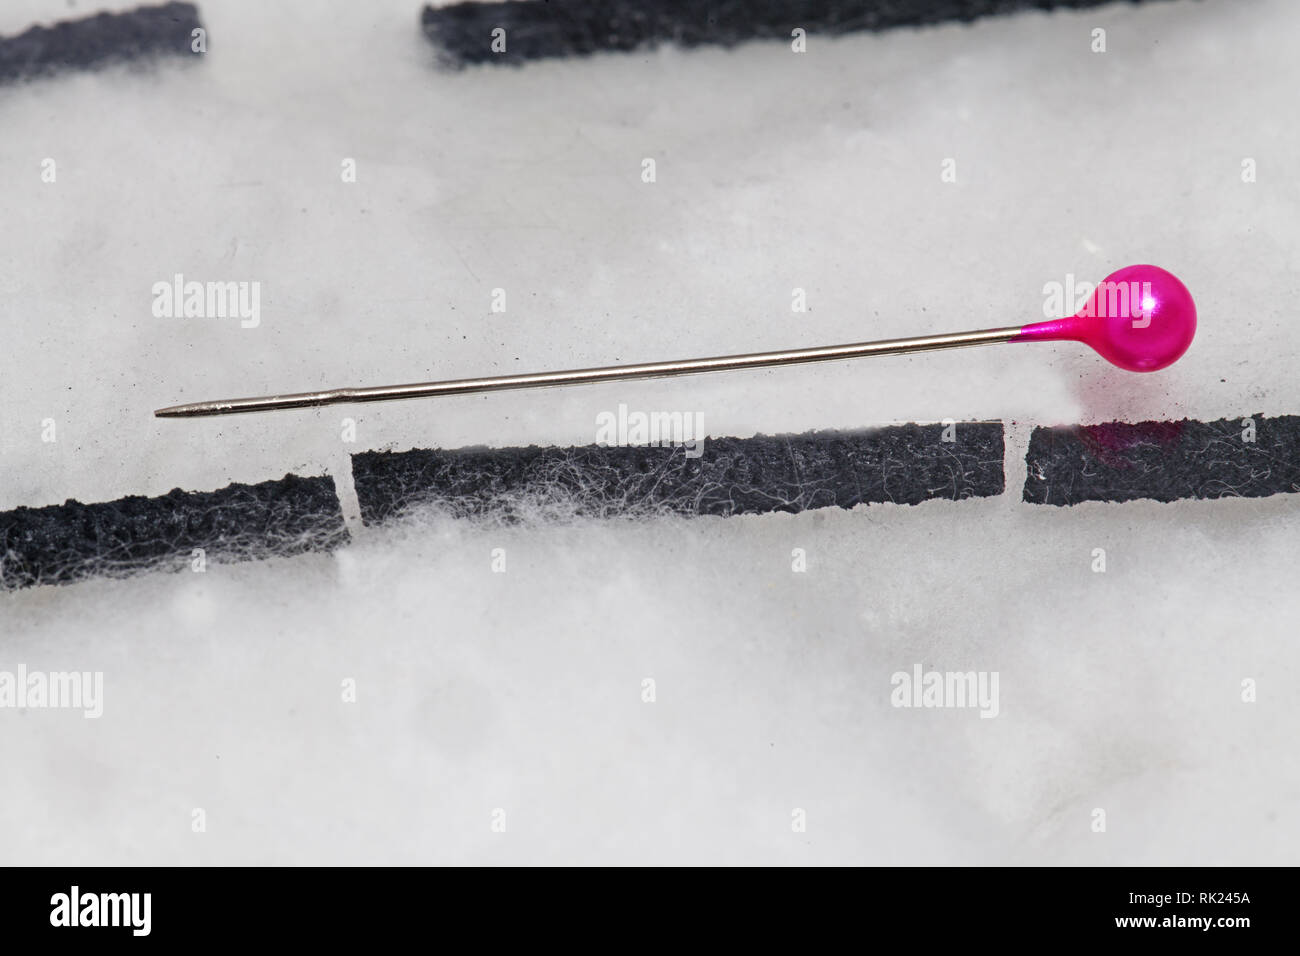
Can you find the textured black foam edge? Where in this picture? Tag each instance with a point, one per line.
(95, 40)
(537, 29)
(1163, 461)
(62, 543)
(906, 464)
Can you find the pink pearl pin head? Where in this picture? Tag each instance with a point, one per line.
(1140, 318)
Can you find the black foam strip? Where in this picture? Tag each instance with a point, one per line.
(536, 29)
(103, 38)
(905, 464)
(1164, 461)
(65, 542)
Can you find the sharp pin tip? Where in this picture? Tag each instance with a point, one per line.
(176, 411)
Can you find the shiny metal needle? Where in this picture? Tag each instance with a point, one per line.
(612, 373)
(1140, 318)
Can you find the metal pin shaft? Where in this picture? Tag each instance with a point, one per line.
(612, 373)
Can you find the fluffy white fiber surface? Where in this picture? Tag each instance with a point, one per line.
(522, 691)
